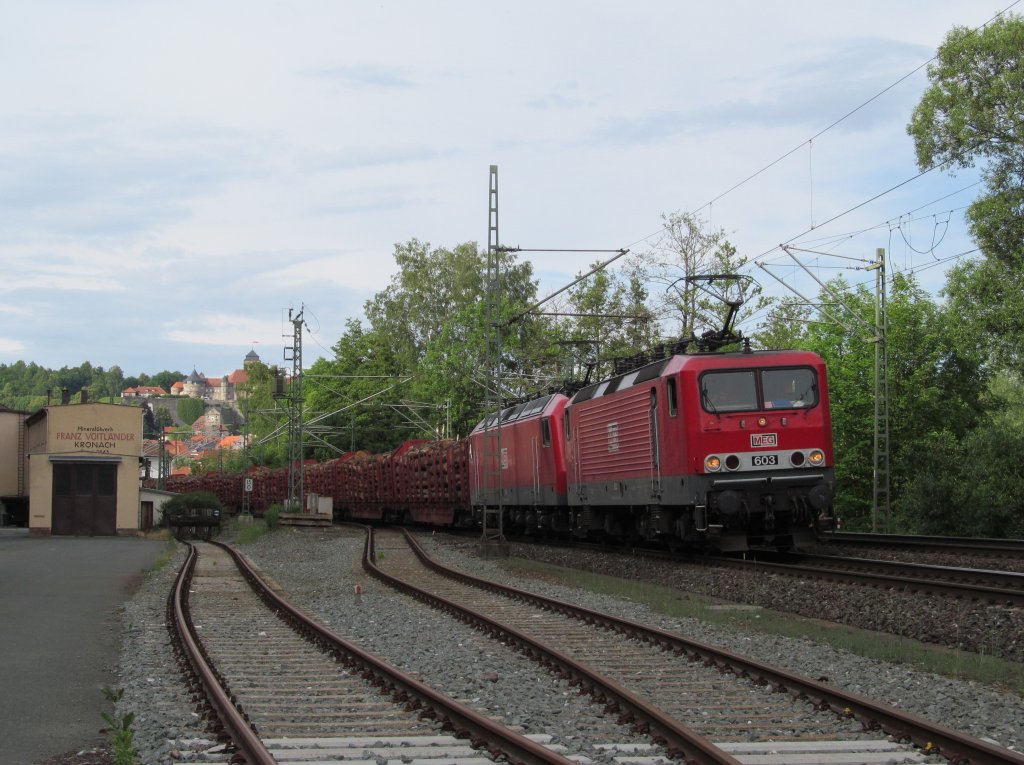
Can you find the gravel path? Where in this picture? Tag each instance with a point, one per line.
(319, 569)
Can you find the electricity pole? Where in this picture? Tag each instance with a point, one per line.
(293, 403)
(880, 505)
(880, 508)
(492, 541)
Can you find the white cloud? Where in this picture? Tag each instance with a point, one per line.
(207, 166)
(10, 346)
(220, 329)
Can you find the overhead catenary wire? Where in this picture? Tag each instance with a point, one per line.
(820, 133)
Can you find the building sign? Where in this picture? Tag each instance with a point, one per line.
(96, 438)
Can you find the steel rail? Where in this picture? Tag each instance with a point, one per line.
(678, 739)
(235, 724)
(966, 544)
(891, 582)
(465, 722)
(960, 748)
(999, 581)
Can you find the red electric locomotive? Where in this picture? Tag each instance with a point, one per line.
(531, 453)
(733, 450)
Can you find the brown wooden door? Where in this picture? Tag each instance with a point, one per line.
(84, 499)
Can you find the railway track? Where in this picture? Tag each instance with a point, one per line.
(286, 689)
(998, 587)
(963, 545)
(1004, 587)
(716, 697)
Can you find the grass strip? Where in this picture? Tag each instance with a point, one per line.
(987, 669)
(246, 529)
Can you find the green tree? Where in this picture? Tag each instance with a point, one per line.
(686, 250)
(165, 379)
(935, 388)
(266, 419)
(980, 475)
(988, 297)
(599, 332)
(426, 328)
(189, 410)
(354, 395)
(972, 113)
(785, 324)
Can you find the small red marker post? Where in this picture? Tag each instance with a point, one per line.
(359, 593)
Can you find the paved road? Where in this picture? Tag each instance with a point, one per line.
(60, 636)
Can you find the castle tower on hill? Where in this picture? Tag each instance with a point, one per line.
(225, 388)
(195, 385)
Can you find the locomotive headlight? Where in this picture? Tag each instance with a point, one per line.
(762, 421)
(712, 463)
(732, 462)
(816, 457)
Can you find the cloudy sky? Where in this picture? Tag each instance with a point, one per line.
(175, 176)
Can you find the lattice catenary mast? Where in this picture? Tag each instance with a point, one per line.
(293, 404)
(491, 480)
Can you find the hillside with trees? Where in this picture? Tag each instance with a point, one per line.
(24, 386)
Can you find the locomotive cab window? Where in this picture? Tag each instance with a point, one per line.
(673, 406)
(729, 391)
(789, 388)
(751, 390)
(545, 431)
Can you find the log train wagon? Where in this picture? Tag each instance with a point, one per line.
(419, 482)
(724, 450)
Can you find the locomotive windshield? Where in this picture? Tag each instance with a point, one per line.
(729, 391)
(789, 388)
(751, 390)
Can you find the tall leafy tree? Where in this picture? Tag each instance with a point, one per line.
(988, 297)
(266, 420)
(431, 286)
(686, 250)
(935, 387)
(785, 324)
(165, 379)
(351, 398)
(601, 328)
(973, 113)
(428, 325)
(189, 410)
(980, 472)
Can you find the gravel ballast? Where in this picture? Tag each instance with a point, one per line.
(320, 569)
